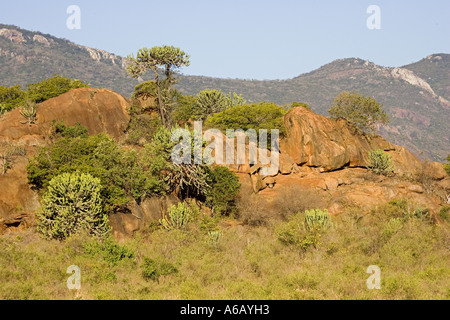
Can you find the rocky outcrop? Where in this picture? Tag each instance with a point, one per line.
(317, 141)
(99, 110)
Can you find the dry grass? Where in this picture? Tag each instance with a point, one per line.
(246, 263)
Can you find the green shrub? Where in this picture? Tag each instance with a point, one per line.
(123, 173)
(257, 116)
(214, 237)
(63, 131)
(298, 104)
(363, 112)
(52, 87)
(210, 101)
(11, 98)
(152, 270)
(187, 180)
(108, 249)
(317, 220)
(178, 216)
(391, 228)
(142, 128)
(304, 229)
(225, 186)
(380, 162)
(444, 212)
(72, 204)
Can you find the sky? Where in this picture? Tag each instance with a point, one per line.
(248, 39)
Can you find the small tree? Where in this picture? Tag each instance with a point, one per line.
(71, 204)
(225, 186)
(167, 57)
(211, 101)
(52, 87)
(363, 112)
(380, 162)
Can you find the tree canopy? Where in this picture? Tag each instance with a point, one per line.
(364, 112)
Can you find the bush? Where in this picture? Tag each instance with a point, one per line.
(210, 101)
(11, 98)
(391, 228)
(108, 249)
(317, 220)
(225, 186)
(380, 162)
(123, 173)
(72, 204)
(363, 112)
(298, 104)
(304, 229)
(444, 213)
(63, 131)
(258, 116)
(178, 216)
(187, 180)
(52, 87)
(142, 128)
(152, 270)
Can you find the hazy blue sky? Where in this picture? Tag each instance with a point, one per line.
(252, 39)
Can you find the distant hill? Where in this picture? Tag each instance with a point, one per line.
(415, 96)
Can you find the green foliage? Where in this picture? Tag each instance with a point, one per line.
(317, 220)
(186, 179)
(363, 112)
(444, 213)
(304, 230)
(178, 216)
(145, 90)
(28, 111)
(225, 186)
(380, 162)
(152, 270)
(142, 128)
(171, 59)
(391, 228)
(52, 87)
(257, 116)
(186, 109)
(298, 104)
(210, 101)
(72, 204)
(214, 238)
(63, 131)
(447, 165)
(123, 173)
(108, 250)
(11, 98)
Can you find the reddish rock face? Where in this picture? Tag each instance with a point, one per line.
(316, 141)
(99, 110)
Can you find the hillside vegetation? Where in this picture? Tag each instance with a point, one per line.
(412, 95)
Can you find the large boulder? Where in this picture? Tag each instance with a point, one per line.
(99, 110)
(316, 141)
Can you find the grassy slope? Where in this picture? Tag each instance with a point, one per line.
(247, 263)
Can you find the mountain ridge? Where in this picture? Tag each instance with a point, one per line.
(416, 96)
